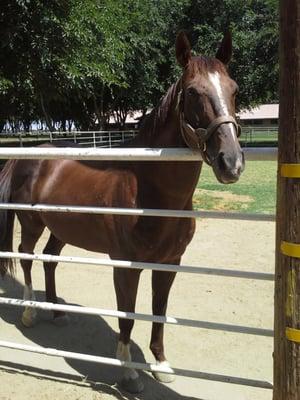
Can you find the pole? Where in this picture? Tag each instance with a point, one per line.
(287, 269)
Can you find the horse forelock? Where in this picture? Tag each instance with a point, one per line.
(204, 65)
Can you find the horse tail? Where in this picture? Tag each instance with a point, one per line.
(6, 218)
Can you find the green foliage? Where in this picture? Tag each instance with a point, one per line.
(254, 27)
(69, 60)
(147, 63)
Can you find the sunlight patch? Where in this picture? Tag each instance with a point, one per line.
(220, 200)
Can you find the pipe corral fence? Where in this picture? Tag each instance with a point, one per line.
(113, 138)
(134, 154)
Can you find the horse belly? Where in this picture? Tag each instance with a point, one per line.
(70, 183)
(86, 231)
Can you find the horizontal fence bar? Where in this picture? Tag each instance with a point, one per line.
(260, 153)
(64, 133)
(138, 316)
(148, 212)
(140, 366)
(127, 154)
(139, 265)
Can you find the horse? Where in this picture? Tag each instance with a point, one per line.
(198, 111)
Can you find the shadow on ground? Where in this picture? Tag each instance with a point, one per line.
(84, 334)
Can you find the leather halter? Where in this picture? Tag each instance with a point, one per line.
(197, 138)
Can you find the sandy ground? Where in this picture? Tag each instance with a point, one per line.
(231, 244)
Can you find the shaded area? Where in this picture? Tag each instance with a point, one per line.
(84, 334)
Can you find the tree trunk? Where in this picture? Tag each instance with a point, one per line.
(287, 273)
(47, 118)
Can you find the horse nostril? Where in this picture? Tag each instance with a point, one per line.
(230, 164)
(222, 161)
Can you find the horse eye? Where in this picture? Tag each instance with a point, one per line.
(192, 92)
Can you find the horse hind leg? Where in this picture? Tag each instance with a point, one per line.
(53, 247)
(28, 242)
(126, 284)
(161, 285)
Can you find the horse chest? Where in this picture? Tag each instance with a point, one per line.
(164, 240)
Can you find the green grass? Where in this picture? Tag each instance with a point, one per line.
(254, 193)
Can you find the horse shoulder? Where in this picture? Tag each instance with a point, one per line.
(123, 188)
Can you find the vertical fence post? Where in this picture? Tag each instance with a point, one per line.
(20, 140)
(287, 282)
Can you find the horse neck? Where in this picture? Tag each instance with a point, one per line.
(161, 127)
(174, 182)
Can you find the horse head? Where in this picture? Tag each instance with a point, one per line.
(206, 106)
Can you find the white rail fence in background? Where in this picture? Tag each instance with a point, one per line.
(84, 138)
(113, 138)
(131, 154)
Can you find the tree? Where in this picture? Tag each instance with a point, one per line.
(54, 50)
(254, 26)
(148, 62)
(80, 61)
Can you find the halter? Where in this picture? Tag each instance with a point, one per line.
(197, 138)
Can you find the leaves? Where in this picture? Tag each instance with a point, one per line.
(81, 60)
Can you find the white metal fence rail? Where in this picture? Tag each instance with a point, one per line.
(126, 154)
(138, 316)
(113, 138)
(136, 365)
(84, 138)
(141, 154)
(139, 265)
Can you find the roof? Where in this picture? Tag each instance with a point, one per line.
(265, 111)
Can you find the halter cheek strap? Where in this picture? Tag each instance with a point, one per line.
(197, 138)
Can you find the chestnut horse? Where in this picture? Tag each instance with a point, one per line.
(197, 111)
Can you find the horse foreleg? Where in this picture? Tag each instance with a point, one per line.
(126, 284)
(29, 314)
(161, 285)
(54, 247)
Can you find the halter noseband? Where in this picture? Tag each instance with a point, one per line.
(197, 138)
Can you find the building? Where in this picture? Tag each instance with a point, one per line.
(264, 115)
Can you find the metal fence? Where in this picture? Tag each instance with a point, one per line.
(110, 139)
(84, 138)
(133, 154)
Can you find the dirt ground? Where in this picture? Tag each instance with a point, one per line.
(239, 245)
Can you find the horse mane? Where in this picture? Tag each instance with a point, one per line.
(158, 116)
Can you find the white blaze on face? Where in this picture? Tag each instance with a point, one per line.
(216, 82)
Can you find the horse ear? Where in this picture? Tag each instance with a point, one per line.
(225, 50)
(183, 49)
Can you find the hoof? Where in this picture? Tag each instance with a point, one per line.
(163, 377)
(62, 320)
(132, 385)
(28, 318)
